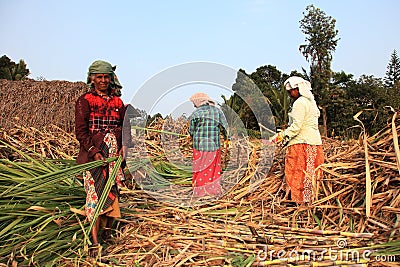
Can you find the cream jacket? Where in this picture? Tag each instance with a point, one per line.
(303, 123)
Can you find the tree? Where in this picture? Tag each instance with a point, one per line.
(393, 98)
(321, 42)
(267, 75)
(5, 64)
(341, 108)
(393, 70)
(369, 95)
(13, 71)
(250, 105)
(270, 81)
(243, 88)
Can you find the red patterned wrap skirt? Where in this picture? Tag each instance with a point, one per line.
(206, 171)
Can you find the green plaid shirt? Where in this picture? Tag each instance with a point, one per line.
(205, 126)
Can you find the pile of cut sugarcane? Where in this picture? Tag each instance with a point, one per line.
(353, 220)
(49, 142)
(251, 228)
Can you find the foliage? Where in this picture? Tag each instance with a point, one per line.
(240, 260)
(243, 88)
(250, 104)
(270, 81)
(346, 97)
(393, 96)
(340, 111)
(393, 70)
(370, 95)
(321, 42)
(10, 70)
(151, 119)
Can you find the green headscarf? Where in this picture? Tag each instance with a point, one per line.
(100, 66)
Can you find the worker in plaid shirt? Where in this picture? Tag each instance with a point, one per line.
(206, 124)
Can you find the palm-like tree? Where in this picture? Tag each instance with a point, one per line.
(12, 71)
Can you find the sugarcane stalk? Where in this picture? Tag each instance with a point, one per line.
(395, 138)
(159, 131)
(104, 195)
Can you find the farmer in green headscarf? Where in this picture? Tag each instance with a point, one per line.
(101, 65)
(99, 119)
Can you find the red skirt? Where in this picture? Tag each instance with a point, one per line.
(300, 163)
(206, 171)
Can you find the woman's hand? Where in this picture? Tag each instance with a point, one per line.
(122, 152)
(280, 138)
(99, 156)
(277, 138)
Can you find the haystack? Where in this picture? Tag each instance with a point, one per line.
(37, 104)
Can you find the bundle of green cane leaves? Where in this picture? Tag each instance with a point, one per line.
(38, 198)
(37, 226)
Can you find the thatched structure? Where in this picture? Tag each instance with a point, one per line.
(36, 104)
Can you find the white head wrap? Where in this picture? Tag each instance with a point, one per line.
(303, 85)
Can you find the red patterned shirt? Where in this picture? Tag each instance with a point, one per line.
(96, 115)
(104, 112)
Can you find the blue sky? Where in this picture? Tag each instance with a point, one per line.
(59, 39)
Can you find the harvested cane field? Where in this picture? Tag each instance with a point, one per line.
(354, 219)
